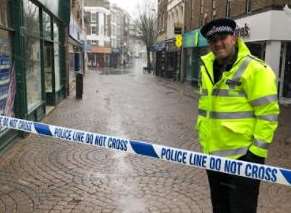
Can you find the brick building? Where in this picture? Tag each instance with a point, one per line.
(160, 50)
(261, 23)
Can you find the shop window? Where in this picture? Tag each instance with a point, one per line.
(7, 77)
(57, 57)
(97, 23)
(257, 49)
(4, 13)
(47, 27)
(287, 72)
(32, 55)
(93, 17)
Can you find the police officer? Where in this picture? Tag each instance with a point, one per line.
(237, 116)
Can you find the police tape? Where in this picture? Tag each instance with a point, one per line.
(235, 167)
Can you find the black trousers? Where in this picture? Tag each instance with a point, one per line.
(234, 194)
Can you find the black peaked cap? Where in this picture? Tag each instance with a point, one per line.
(218, 26)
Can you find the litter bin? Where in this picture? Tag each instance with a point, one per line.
(79, 86)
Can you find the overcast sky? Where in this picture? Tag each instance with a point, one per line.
(129, 5)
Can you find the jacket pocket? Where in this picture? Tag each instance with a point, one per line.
(241, 127)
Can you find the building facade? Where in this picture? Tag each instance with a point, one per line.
(175, 20)
(261, 23)
(97, 12)
(136, 46)
(119, 36)
(76, 42)
(160, 46)
(33, 37)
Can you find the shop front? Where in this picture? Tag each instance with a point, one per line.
(99, 57)
(268, 38)
(195, 45)
(32, 52)
(115, 57)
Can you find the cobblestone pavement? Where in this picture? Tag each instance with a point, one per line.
(40, 174)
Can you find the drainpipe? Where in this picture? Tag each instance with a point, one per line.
(182, 66)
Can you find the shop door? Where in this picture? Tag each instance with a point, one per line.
(287, 73)
(48, 72)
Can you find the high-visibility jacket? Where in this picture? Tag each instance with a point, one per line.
(240, 111)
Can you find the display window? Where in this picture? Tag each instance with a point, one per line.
(7, 77)
(32, 55)
(57, 57)
(47, 27)
(4, 13)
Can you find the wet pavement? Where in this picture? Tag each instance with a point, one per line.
(39, 174)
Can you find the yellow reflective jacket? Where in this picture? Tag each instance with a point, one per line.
(240, 111)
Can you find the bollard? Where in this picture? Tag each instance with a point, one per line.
(79, 86)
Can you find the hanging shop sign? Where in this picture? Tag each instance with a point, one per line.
(179, 40)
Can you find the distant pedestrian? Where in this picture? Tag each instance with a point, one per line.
(238, 111)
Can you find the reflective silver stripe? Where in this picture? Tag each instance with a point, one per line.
(261, 144)
(225, 153)
(264, 100)
(241, 68)
(202, 112)
(227, 93)
(268, 117)
(231, 115)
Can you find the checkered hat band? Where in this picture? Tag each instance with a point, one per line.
(219, 30)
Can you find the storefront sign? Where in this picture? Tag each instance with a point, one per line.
(243, 31)
(194, 39)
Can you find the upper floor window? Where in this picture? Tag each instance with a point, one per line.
(93, 30)
(93, 17)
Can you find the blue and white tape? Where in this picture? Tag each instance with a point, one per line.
(235, 167)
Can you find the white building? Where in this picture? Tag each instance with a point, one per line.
(268, 35)
(99, 35)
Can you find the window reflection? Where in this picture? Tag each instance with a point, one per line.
(32, 55)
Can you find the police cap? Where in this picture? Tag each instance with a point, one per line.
(218, 26)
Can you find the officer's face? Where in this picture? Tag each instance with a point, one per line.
(222, 46)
